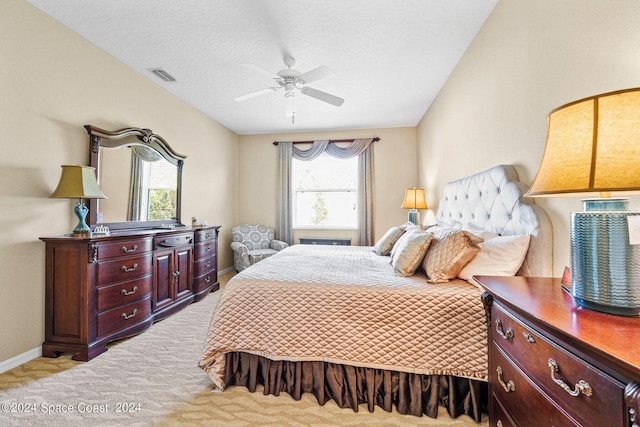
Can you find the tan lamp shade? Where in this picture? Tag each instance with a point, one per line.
(414, 199)
(78, 182)
(593, 146)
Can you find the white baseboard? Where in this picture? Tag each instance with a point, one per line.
(20, 359)
(27, 356)
(226, 270)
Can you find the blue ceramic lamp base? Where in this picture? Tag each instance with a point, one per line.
(81, 211)
(605, 267)
(413, 216)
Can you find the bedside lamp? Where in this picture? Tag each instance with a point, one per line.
(414, 200)
(593, 147)
(79, 182)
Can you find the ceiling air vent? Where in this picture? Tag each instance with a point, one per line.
(163, 74)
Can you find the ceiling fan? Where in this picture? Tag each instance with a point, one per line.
(292, 80)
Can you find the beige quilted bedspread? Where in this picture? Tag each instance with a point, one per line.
(343, 304)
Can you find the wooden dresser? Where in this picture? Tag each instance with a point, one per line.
(205, 269)
(554, 363)
(99, 289)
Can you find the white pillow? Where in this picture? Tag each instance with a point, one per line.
(500, 256)
(409, 251)
(384, 245)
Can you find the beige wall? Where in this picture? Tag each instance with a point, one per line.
(529, 58)
(395, 164)
(52, 82)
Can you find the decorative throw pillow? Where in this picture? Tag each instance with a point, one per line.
(450, 251)
(410, 226)
(409, 252)
(398, 242)
(500, 256)
(384, 245)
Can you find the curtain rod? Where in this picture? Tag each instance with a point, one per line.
(331, 141)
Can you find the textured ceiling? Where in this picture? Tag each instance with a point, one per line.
(390, 58)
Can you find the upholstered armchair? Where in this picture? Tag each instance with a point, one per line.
(252, 243)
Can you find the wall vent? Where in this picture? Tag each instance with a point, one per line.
(163, 74)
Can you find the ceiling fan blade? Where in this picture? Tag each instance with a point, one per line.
(259, 69)
(254, 94)
(316, 74)
(322, 96)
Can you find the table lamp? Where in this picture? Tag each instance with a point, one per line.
(414, 200)
(593, 148)
(79, 182)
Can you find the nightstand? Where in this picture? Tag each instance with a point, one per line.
(553, 362)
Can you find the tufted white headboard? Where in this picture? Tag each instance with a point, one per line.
(492, 200)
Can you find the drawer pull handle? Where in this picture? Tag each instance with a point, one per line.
(127, 270)
(207, 248)
(207, 279)
(508, 387)
(581, 386)
(131, 292)
(125, 250)
(208, 264)
(529, 337)
(133, 313)
(505, 335)
(499, 423)
(207, 235)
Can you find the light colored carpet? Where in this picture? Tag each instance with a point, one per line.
(153, 380)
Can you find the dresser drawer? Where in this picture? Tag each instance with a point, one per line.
(519, 397)
(205, 249)
(123, 269)
(174, 240)
(204, 265)
(120, 318)
(500, 415)
(204, 236)
(204, 281)
(124, 248)
(123, 292)
(592, 396)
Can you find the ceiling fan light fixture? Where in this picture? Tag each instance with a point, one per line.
(290, 80)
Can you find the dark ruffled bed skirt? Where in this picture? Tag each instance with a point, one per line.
(349, 386)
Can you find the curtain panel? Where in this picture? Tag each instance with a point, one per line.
(139, 155)
(359, 147)
(284, 210)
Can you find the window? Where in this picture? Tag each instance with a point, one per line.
(159, 182)
(325, 192)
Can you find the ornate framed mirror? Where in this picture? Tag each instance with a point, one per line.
(141, 176)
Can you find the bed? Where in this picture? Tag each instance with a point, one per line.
(339, 322)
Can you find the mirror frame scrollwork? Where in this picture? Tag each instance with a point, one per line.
(127, 137)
